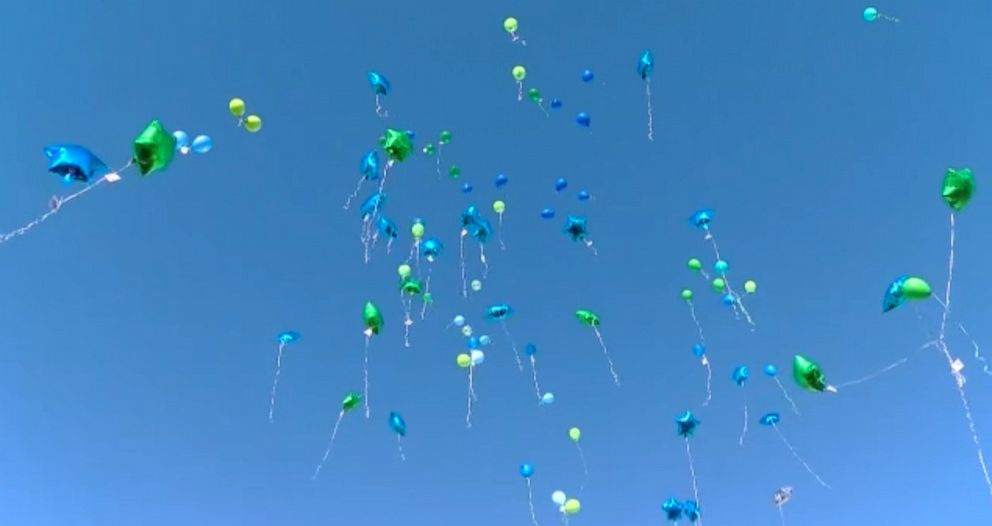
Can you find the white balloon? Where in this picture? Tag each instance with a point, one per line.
(547, 398)
(477, 357)
(559, 498)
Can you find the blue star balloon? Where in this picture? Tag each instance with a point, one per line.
(894, 296)
(397, 424)
(431, 249)
(575, 227)
(500, 311)
(673, 509)
(686, 424)
(289, 337)
(387, 228)
(741, 374)
(378, 83)
(702, 219)
(370, 165)
(770, 419)
(691, 510)
(530, 349)
(372, 205)
(645, 66)
(74, 163)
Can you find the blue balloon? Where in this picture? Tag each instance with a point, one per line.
(547, 398)
(576, 228)
(526, 470)
(474, 343)
(530, 349)
(587, 75)
(410, 134)
(560, 184)
(378, 83)
(397, 424)
(673, 509)
(691, 510)
(548, 213)
(770, 419)
(686, 424)
(482, 231)
(583, 119)
(485, 340)
(203, 144)
(182, 139)
(370, 165)
(388, 228)
(583, 195)
(555, 104)
(372, 205)
(645, 66)
(431, 248)
(698, 350)
(741, 374)
(459, 320)
(501, 180)
(499, 311)
(289, 337)
(702, 218)
(771, 370)
(74, 163)
(728, 299)
(466, 188)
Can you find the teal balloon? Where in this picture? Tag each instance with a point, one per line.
(870, 14)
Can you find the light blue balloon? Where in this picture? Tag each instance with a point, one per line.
(547, 399)
(459, 320)
(485, 340)
(870, 14)
(729, 300)
(182, 139)
(698, 350)
(721, 267)
(203, 144)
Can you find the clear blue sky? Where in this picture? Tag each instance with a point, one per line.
(139, 323)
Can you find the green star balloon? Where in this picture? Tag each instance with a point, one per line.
(808, 374)
(351, 401)
(397, 144)
(372, 318)
(154, 148)
(959, 186)
(587, 317)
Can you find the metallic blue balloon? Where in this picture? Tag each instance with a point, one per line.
(729, 299)
(560, 184)
(501, 180)
(548, 213)
(583, 195)
(686, 424)
(378, 83)
(202, 144)
(431, 248)
(576, 228)
(370, 165)
(771, 370)
(471, 217)
(741, 374)
(372, 205)
(530, 349)
(499, 311)
(473, 343)
(397, 424)
(691, 510)
(645, 66)
(410, 134)
(482, 231)
(74, 163)
(555, 104)
(702, 218)
(587, 75)
(526, 470)
(770, 419)
(289, 337)
(673, 509)
(388, 228)
(466, 188)
(698, 350)
(894, 296)
(583, 119)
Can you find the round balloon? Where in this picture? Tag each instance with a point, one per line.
(583, 119)
(750, 286)
(476, 285)
(558, 497)
(477, 357)
(548, 213)
(547, 398)
(587, 75)
(575, 434)
(510, 25)
(203, 144)
(519, 73)
(499, 207)
(459, 320)
(463, 360)
(253, 123)
(526, 470)
(404, 271)
(236, 106)
(870, 14)
(182, 139)
(572, 506)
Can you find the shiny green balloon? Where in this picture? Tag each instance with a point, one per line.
(253, 123)
(808, 374)
(534, 94)
(686, 294)
(428, 150)
(750, 286)
(154, 148)
(575, 434)
(404, 271)
(510, 25)
(587, 317)
(372, 318)
(445, 137)
(351, 401)
(695, 264)
(916, 289)
(719, 284)
(572, 506)
(397, 144)
(958, 188)
(499, 207)
(454, 172)
(519, 73)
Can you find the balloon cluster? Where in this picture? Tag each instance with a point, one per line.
(252, 123)
(199, 144)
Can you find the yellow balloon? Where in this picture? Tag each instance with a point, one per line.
(236, 106)
(575, 434)
(464, 360)
(519, 73)
(510, 25)
(572, 506)
(253, 123)
(499, 207)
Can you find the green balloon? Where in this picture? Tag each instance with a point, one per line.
(686, 294)
(958, 188)
(463, 360)
(253, 123)
(587, 317)
(404, 271)
(351, 401)
(719, 284)
(534, 94)
(428, 150)
(454, 172)
(428, 298)
(519, 73)
(808, 374)
(575, 434)
(499, 207)
(372, 318)
(154, 148)
(445, 137)
(411, 287)
(750, 286)
(397, 144)
(236, 106)
(695, 264)
(510, 25)
(916, 289)
(572, 506)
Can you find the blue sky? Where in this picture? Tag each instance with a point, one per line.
(140, 321)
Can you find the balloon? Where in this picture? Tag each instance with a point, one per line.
(719, 284)
(289, 337)
(510, 25)
(253, 123)
(351, 401)
(459, 320)
(870, 14)
(387, 228)
(558, 497)
(575, 434)
(904, 288)
(397, 424)
(741, 375)
(673, 509)
(686, 424)
(526, 470)
(154, 148)
(372, 205)
(645, 65)
(548, 213)
(750, 286)
(499, 207)
(500, 311)
(74, 162)
(572, 506)
(583, 119)
(485, 340)
(547, 398)
(530, 349)
(721, 267)
(203, 144)
(372, 318)
(583, 195)
(560, 184)
(555, 104)
(417, 229)
(695, 264)
(411, 287)
(771, 371)
(501, 181)
(466, 188)
(396, 144)
(404, 271)
(691, 510)
(463, 360)
(729, 299)
(236, 106)
(959, 186)
(519, 73)
(378, 83)
(477, 357)
(770, 419)
(473, 343)
(702, 219)
(444, 137)
(454, 172)
(476, 285)
(428, 298)
(782, 495)
(575, 227)
(467, 331)
(587, 317)
(698, 350)
(534, 94)
(808, 375)
(431, 249)
(587, 75)
(686, 294)
(182, 139)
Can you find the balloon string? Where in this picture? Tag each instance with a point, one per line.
(978, 354)
(795, 408)
(889, 18)
(516, 38)
(947, 289)
(537, 386)
(740, 441)
(366, 236)
(385, 174)
(427, 290)
(647, 90)
(407, 323)
(699, 326)
(606, 353)
(499, 232)
(781, 514)
(275, 382)
(709, 381)
(513, 345)
(330, 444)
(471, 396)
(530, 502)
(585, 467)
(692, 473)
(437, 160)
(876, 374)
(520, 91)
(799, 458)
(55, 204)
(482, 258)
(358, 188)
(399, 446)
(461, 261)
(365, 375)
(592, 248)
(379, 110)
(738, 303)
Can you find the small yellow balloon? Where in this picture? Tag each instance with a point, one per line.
(236, 106)
(575, 434)
(417, 230)
(464, 360)
(253, 123)
(510, 25)
(572, 506)
(404, 270)
(519, 73)
(750, 286)
(499, 207)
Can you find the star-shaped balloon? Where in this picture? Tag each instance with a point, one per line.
(576, 228)
(289, 337)
(702, 218)
(587, 317)
(74, 163)
(378, 83)
(372, 318)
(782, 495)
(808, 374)
(397, 144)
(673, 509)
(741, 374)
(770, 419)
(904, 288)
(691, 510)
(500, 311)
(686, 424)
(351, 401)
(645, 66)
(154, 148)
(959, 186)
(370, 165)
